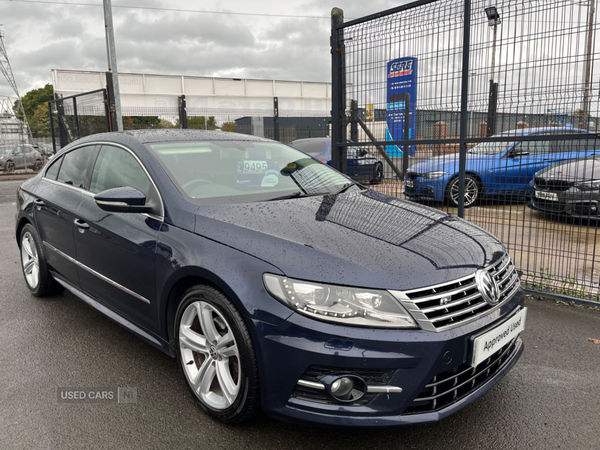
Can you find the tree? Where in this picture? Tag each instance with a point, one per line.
(39, 122)
(228, 126)
(33, 99)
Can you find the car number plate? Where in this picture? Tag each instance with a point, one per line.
(408, 184)
(494, 340)
(252, 166)
(547, 195)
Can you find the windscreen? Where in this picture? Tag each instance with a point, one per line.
(491, 148)
(214, 172)
(311, 147)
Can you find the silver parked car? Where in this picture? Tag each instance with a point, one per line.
(20, 157)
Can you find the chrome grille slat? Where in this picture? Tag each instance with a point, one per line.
(459, 313)
(470, 298)
(465, 302)
(439, 295)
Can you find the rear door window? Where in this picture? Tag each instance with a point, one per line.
(52, 171)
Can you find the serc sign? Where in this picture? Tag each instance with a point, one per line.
(401, 93)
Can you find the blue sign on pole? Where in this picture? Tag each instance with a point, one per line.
(401, 90)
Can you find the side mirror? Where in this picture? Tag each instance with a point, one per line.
(363, 152)
(517, 152)
(122, 199)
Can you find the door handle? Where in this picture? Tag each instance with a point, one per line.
(81, 224)
(38, 202)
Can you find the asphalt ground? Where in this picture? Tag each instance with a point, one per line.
(550, 400)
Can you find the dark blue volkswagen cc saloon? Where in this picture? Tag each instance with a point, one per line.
(274, 280)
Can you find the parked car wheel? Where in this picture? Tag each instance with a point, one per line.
(216, 355)
(472, 191)
(9, 167)
(37, 165)
(35, 270)
(378, 174)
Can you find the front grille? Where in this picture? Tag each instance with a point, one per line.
(445, 306)
(548, 205)
(453, 385)
(372, 377)
(552, 185)
(411, 176)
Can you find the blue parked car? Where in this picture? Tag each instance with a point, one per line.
(361, 165)
(272, 279)
(495, 168)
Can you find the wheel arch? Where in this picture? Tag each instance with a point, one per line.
(178, 284)
(20, 225)
(468, 172)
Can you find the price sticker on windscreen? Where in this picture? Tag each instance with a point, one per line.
(249, 166)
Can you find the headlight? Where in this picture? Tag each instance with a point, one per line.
(340, 304)
(588, 185)
(433, 175)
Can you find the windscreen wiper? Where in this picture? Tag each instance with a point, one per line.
(292, 195)
(345, 188)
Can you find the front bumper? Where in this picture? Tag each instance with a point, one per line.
(570, 203)
(406, 359)
(425, 189)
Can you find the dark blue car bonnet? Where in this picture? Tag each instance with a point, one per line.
(357, 239)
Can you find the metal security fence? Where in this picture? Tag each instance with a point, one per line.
(84, 114)
(77, 116)
(486, 110)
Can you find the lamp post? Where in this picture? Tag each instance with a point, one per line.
(494, 20)
(588, 65)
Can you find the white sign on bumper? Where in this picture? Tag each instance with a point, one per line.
(494, 340)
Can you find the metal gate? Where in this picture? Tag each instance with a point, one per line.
(77, 116)
(488, 111)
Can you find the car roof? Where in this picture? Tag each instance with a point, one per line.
(528, 131)
(315, 139)
(171, 135)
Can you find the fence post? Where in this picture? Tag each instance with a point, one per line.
(406, 133)
(338, 92)
(492, 106)
(75, 118)
(106, 109)
(183, 123)
(462, 162)
(63, 133)
(276, 118)
(354, 120)
(111, 101)
(52, 127)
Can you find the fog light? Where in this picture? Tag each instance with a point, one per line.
(342, 387)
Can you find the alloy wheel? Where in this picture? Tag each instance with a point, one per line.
(9, 167)
(209, 355)
(471, 191)
(30, 260)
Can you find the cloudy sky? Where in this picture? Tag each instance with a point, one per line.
(69, 34)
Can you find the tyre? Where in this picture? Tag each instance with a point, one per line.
(33, 263)
(216, 355)
(472, 191)
(37, 165)
(378, 174)
(9, 167)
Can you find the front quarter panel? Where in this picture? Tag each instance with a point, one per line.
(182, 254)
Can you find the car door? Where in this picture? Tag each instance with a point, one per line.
(54, 209)
(515, 169)
(18, 157)
(117, 250)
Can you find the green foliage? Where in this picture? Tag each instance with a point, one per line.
(39, 122)
(228, 126)
(33, 99)
(140, 122)
(197, 123)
